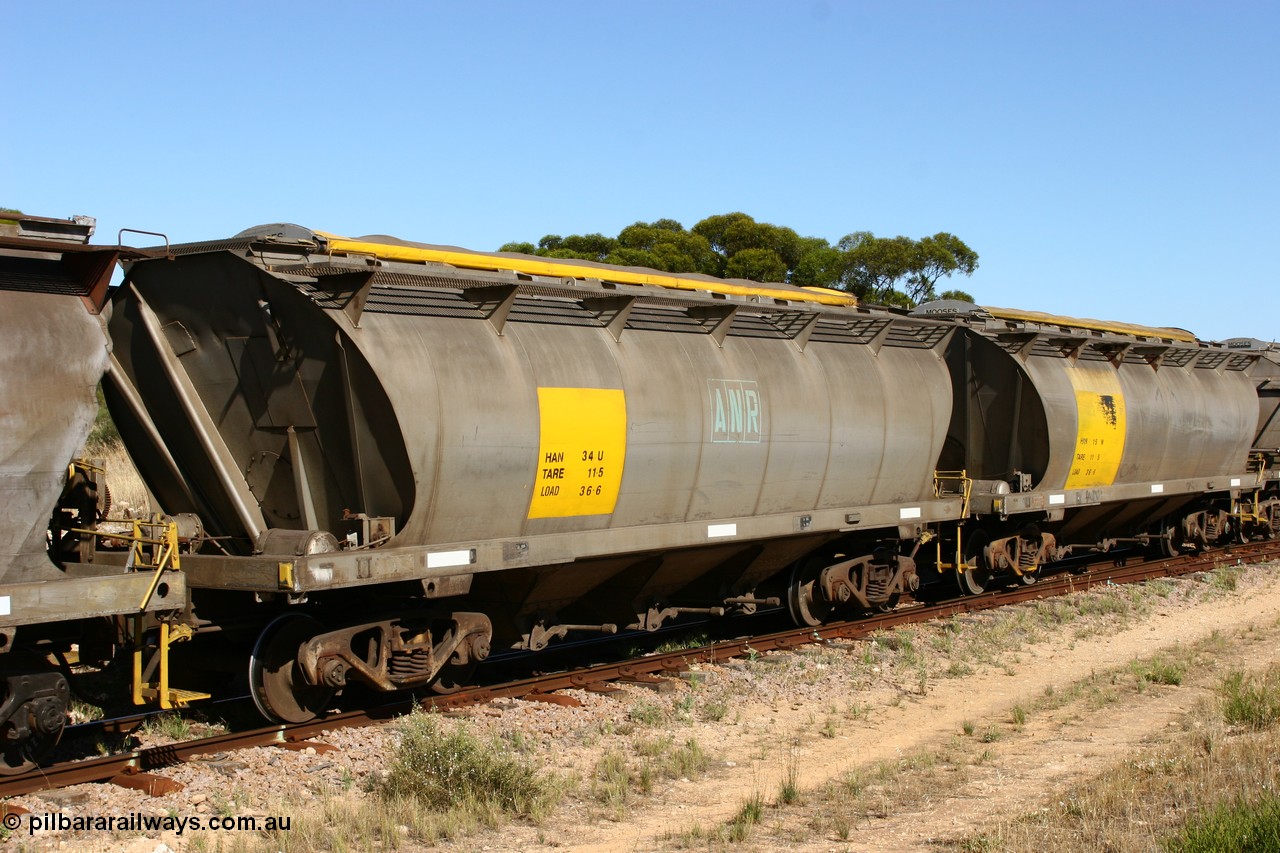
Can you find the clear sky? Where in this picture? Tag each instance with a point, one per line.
(1115, 160)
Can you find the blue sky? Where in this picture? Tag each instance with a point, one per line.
(1115, 160)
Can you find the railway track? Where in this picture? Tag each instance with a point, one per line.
(135, 769)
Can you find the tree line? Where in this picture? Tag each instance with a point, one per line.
(886, 270)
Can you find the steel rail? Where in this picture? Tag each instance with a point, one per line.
(130, 768)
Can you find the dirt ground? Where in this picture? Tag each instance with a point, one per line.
(803, 720)
(1068, 744)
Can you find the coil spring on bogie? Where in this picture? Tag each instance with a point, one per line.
(878, 582)
(404, 666)
(1026, 558)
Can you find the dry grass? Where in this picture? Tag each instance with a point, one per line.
(1210, 786)
(622, 775)
(954, 648)
(634, 758)
(1138, 805)
(735, 831)
(129, 495)
(448, 768)
(444, 782)
(843, 806)
(1150, 800)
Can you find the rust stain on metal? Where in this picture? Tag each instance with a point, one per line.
(641, 678)
(148, 783)
(636, 671)
(124, 727)
(553, 699)
(601, 687)
(301, 745)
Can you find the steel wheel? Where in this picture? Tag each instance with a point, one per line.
(888, 604)
(275, 680)
(21, 755)
(453, 677)
(1234, 533)
(808, 608)
(976, 576)
(1168, 544)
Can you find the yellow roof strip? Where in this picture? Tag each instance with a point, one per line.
(1098, 325)
(566, 268)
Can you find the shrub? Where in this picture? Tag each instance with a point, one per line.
(1250, 703)
(442, 770)
(751, 813)
(1161, 671)
(104, 428)
(1238, 826)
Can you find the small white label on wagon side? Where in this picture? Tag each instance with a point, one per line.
(715, 531)
(909, 512)
(4, 605)
(1054, 500)
(1157, 488)
(445, 559)
(1235, 481)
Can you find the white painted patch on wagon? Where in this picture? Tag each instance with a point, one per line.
(445, 559)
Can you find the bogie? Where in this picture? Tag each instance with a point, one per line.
(378, 459)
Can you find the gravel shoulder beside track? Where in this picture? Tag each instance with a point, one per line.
(808, 716)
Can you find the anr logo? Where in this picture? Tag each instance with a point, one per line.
(737, 415)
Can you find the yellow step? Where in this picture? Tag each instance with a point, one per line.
(177, 698)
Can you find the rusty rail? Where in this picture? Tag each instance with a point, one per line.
(131, 768)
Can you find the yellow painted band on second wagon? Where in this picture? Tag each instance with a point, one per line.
(1100, 427)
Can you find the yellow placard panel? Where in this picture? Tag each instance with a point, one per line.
(581, 451)
(1100, 427)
